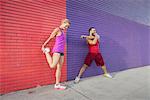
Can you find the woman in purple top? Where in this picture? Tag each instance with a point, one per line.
(58, 51)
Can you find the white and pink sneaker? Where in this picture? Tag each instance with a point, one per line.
(59, 87)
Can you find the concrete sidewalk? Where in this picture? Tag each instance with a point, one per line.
(132, 84)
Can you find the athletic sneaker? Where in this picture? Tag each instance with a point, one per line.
(77, 79)
(46, 50)
(59, 87)
(108, 75)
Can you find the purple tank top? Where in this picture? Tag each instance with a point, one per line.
(59, 43)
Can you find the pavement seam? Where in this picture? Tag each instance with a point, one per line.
(80, 93)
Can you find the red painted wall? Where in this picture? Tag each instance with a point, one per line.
(24, 26)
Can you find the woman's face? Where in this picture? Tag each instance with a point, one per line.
(66, 25)
(93, 31)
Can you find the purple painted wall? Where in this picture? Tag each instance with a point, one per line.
(124, 43)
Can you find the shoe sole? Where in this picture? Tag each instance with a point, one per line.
(108, 77)
(59, 89)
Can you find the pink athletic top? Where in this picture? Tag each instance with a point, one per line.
(59, 43)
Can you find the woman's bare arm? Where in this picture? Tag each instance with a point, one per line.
(53, 34)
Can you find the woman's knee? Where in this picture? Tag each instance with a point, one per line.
(52, 66)
(59, 66)
(85, 66)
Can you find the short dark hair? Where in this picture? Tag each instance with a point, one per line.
(90, 29)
